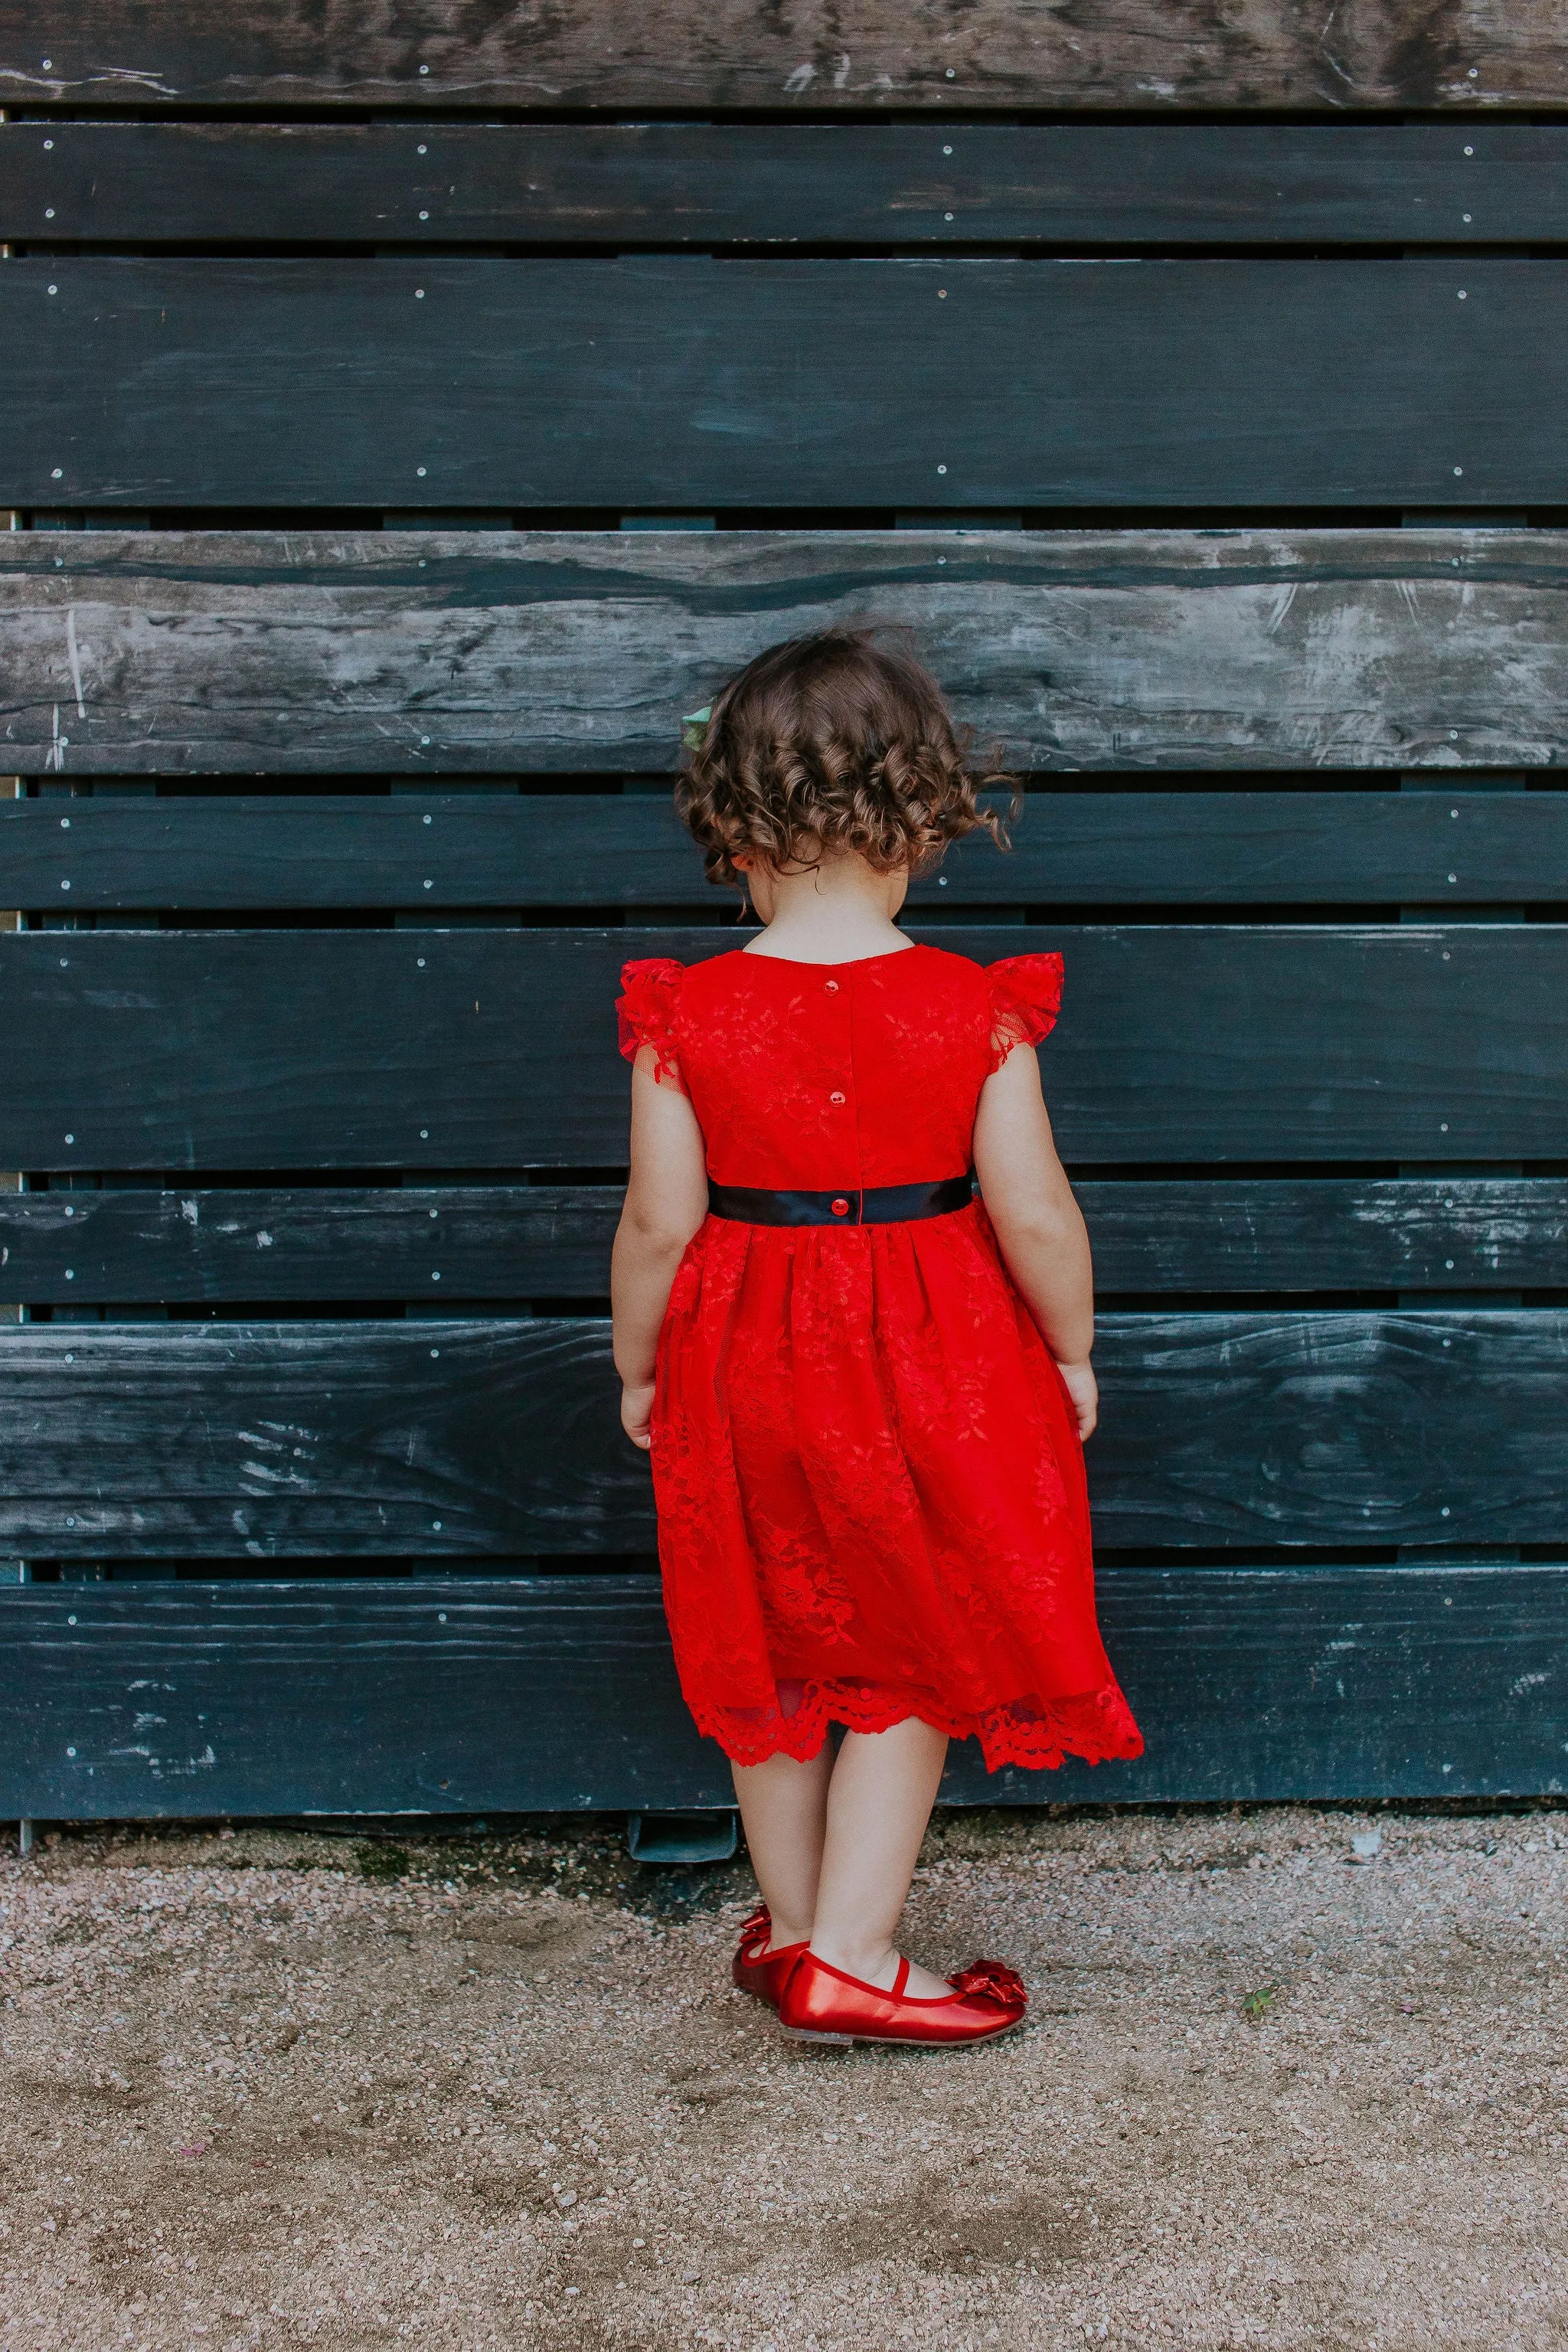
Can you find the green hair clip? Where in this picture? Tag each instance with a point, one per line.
(694, 727)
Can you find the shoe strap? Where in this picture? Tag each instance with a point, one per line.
(902, 1979)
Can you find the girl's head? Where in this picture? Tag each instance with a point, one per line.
(828, 744)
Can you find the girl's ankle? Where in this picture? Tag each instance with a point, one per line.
(868, 1964)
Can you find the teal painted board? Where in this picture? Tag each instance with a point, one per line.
(431, 1697)
(248, 1246)
(592, 850)
(483, 1048)
(655, 382)
(704, 183)
(500, 1436)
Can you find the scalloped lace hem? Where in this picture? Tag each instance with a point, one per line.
(1036, 1735)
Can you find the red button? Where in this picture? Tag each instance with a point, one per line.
(831, 986)
(840, 1208)
(835, 1099)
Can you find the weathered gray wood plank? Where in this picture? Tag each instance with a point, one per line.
(655, 382)
(478, 1048)
(315, 653)
(270, 1244)
(685, 184)
(500, 1438)
(556, 1693)
(1148, 55)
(596, 850)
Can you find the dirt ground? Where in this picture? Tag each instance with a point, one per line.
(267, 2088)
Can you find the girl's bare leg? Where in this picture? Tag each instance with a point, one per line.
(883, 1787)
(784, 1806)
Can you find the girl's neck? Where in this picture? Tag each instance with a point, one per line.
(838, 912)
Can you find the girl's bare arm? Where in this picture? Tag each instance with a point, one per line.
(1038, 1224)
(667, 1200)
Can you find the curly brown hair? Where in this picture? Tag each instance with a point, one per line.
(832, 742)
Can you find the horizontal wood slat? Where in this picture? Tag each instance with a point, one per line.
(316, 653)
(556, 1693)
(592, 850)
(548, 1241)
(483, 382)
(500, 1438)
(1149, 55)
(672, 183)
(487, 1048)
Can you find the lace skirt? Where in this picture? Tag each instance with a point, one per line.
(871, 1498)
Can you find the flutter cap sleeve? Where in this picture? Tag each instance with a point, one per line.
(1025, 997)
(647, 1009)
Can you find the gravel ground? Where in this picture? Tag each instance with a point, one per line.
(262, 2088)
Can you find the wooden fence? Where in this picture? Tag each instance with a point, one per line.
(398, 442)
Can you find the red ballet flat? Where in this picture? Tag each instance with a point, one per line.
(820, 2003)
(756, 1969)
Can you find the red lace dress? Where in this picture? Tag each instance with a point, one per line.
(870, 1482)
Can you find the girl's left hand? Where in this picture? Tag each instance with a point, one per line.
(1084, 1391)
(637, 1411)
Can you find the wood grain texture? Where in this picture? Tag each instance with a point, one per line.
(556, 1693)
(654, 381)
(495, 848)
(683, 183)
(474, 1049)
(1149, 55)
(500, 1438)
(274, 1244)
(413, 653)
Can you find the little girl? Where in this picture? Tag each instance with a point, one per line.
(865, 1390)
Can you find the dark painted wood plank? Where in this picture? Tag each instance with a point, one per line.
(473, 1439)
(485, 382)
(677, 184)
(593, 850)
(271, 1244)
(1143, 55)
(475, 1048)
(322, 653)
(462, 1439)
(558, 1694)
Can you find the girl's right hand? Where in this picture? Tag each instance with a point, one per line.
(1084, 1391)
(637, 1411)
